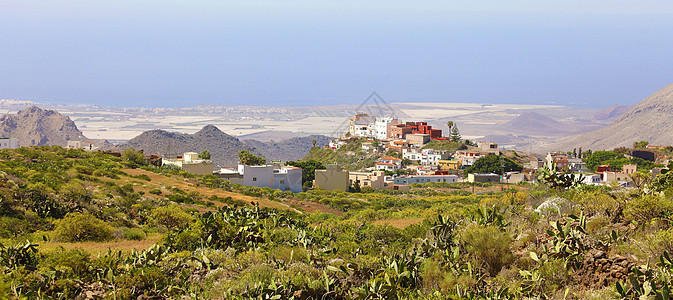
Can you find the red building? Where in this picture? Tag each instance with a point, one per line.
(424, 128)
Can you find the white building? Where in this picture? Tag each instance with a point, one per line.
(411, 155)
(468, 158)
(389, 164)
(430, 159)
(9, 143)
(382, 127)
(284, 178)
(362, 125)
(191, 163)
(590, 179)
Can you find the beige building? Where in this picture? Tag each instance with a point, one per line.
(488, 147)
(191, 163)
(332, 179)
(368, 179)
(418, 139)
(609, 176)
(629, 169)
(483, 177)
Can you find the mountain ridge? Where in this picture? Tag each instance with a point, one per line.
(648, 120)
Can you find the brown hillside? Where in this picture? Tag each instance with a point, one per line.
(650, 120)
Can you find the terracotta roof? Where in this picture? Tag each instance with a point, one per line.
(390, 158)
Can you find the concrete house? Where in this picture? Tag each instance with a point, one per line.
(9, 143)
(561, 160)
(488, 147)
(418, 139)
(382, 127)
(191, 163)
(362, 125)
(284, 178)
(483, 177)
(389, 164)
(468, 158)
(332, 179)
(374, 179)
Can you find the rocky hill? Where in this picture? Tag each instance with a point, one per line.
(34, 126)
(223, 147)
(649, 120)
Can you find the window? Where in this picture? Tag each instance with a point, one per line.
(254, 179)
(282, 182)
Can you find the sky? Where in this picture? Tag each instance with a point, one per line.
(173, 53)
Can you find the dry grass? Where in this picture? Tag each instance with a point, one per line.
(102, 247)
(399, 223)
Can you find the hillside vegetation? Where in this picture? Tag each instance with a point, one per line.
(436, 241)
(349, 157)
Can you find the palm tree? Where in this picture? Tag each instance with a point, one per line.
(314, 142)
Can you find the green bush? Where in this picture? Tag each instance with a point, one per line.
(172, 217)
(648, 207)
(135, 234)
(487, 247)
(78, 227)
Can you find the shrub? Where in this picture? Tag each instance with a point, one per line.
(13, 227)
(155, 192)
(648, 207)
(172, 217)
(73, 263)
(78, 227)
(135, 234)
(487, 247)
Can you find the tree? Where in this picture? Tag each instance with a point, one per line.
(450, 125)
(308, 168)
(493, 164)
(455, 134)
(247, 158)
(204, 155)
(640, 145)
(314, 142)
(598, 158)
(579, 153)
(132, 155)
(575, 152)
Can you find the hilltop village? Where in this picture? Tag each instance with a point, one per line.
(388, 153)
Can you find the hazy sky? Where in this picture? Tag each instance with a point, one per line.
(275, 52)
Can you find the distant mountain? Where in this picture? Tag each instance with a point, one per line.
(611, 112)
(649, 120)
(223, 147)
(535, 124)
(289, 149)
(34, 126)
